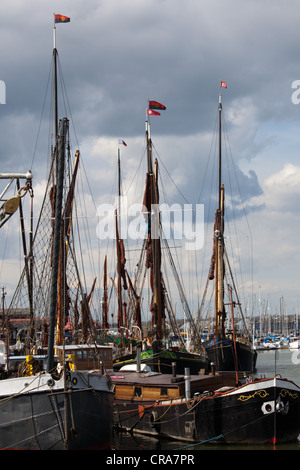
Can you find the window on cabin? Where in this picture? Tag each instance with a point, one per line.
(164, 391)
(137, 391)
(104, 355)
(79, 355)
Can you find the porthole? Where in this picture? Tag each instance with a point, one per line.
(268, 407)
(74, 380)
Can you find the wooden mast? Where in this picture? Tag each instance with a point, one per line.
(64, 125)
(62, 288)
(154, 239)
(105, 304)
(219, 243)
(61, 129)
(120, 260)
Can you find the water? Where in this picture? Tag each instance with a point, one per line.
(285, 362)
(269, 363)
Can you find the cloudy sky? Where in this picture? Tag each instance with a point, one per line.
(116, 54)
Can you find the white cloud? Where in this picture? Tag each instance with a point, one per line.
(116, 54)
(283, 189)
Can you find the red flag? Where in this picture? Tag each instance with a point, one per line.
(156, 105)
(61, 19)
(223, 84)
(122, 142)
(150, 112)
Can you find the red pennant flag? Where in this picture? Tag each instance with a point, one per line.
(223, 84)
(122, 142)
(150, 112)
(156, 105)
(61, 19)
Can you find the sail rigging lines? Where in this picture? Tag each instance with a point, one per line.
(66, 107)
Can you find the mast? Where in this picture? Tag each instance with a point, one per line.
(104, 304)
(28, 260)
(61, 141)
(118, 248)
(63, 295)
(154, 242)
(120, 306)
(219, 243)
(120, 309)
(220, 149)
(119, 188)
(61, 129)
(55, 82)
(121, 260)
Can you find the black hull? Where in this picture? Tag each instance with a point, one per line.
(162, 362)
(222, 354)
(48, 418)
(242, 416)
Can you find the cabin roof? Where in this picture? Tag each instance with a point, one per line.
(203, 382)
(69, 347)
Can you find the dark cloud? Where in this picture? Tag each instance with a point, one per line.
(115, 54)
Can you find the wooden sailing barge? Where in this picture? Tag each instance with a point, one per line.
(58, 406)
(224, 407)
(159, 357)
(227, 351)
(207, 408)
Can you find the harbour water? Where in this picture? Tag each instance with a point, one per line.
(269, 363)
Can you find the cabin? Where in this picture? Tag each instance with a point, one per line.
(86, 356)
(134, 386)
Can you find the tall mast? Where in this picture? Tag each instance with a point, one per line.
(119, 186)
(121, 260)
(220, 150)
(104, 304)
(64, 125)
(153, 228)
(219, 242)
(120, 304)
(118, 211)
(60, 164)
(55, 83)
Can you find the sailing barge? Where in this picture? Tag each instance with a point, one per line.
(224, 407)
(227, 350)
(207, 408)
(161, 361)
(160, 356)
(66, 403)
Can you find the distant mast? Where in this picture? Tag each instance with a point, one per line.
(153, 242)
(220, 149)
(55, 82)
(60, 156)
(219, 239)
(56, 19)
(121, 260)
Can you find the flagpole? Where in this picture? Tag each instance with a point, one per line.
(220, 148)
(148, 121)
(55, 81)
(54, 32)
(119, 188)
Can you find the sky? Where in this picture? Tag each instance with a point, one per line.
(114, 55)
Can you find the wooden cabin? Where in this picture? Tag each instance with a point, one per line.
(134, 386)
(86, 356)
